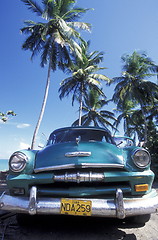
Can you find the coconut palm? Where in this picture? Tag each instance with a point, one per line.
(125, 114)
(137, 124)
(93, 105)
(55, 38)
(134, 120)
(132, 85)
(83, 76)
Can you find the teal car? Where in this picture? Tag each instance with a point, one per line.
(82, 171)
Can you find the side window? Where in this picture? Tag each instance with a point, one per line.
(123, 142)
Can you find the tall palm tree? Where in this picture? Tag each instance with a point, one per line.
(93, 105)
(132, 85)
(54, 38)
(83, 76)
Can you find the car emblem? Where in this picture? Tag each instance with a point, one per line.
(78, 154)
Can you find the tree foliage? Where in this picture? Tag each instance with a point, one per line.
(5, 116)
(133, 85)
(55, 38)
(94, 114)
(84, 76)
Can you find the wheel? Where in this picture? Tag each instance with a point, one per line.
(141, 219)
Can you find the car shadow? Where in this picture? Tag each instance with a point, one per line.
(63, 227)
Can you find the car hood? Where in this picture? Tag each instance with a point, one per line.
(82, 155)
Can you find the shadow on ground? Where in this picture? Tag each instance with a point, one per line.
(63, 227)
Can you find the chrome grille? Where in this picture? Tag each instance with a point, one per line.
(79, 177)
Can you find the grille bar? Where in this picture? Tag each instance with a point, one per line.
(79, 177)
(82, 165)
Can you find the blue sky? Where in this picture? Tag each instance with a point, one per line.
(118, 27)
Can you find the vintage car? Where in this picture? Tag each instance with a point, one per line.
(82, 171)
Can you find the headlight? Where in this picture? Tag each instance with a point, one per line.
(17, 162)
(141, 158)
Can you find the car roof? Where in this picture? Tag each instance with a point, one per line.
(81, 127)
(86, 128)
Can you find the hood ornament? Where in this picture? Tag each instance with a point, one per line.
(78, 139)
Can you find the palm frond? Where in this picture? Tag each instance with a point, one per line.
(75, 14)
(93, 81)
(33, 6)
(80, 25)
(100, 77)
(98, 57)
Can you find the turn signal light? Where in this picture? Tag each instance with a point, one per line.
(18, 191)
(141, 187)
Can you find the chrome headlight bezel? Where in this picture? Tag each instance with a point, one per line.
(139, 156)
(17, 162)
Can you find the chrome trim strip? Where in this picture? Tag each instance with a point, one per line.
(78, 177)
(82, 165)
(100, 207)
(78, 154)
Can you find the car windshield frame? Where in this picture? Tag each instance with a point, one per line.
(123, 141)
(80, 135)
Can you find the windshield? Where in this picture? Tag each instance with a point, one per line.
(84, 135)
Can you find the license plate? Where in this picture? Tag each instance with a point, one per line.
(76, 207)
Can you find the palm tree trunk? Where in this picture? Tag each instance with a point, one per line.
(81, 106)
(42, 108)
(145, 123)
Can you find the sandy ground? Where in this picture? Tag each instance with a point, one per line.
(76, 228)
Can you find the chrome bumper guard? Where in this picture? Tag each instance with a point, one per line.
(118, 208)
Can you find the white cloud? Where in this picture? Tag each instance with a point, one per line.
(23, 125)
(1, 122)
(24, 145)
(18, 125)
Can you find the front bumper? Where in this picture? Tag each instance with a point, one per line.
(118, 208)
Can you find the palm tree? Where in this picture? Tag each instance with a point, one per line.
(132, 85)
(83, 76)
(134, 121)
(94, 114)
(125, 114)
(55, 38)
(136, 125)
